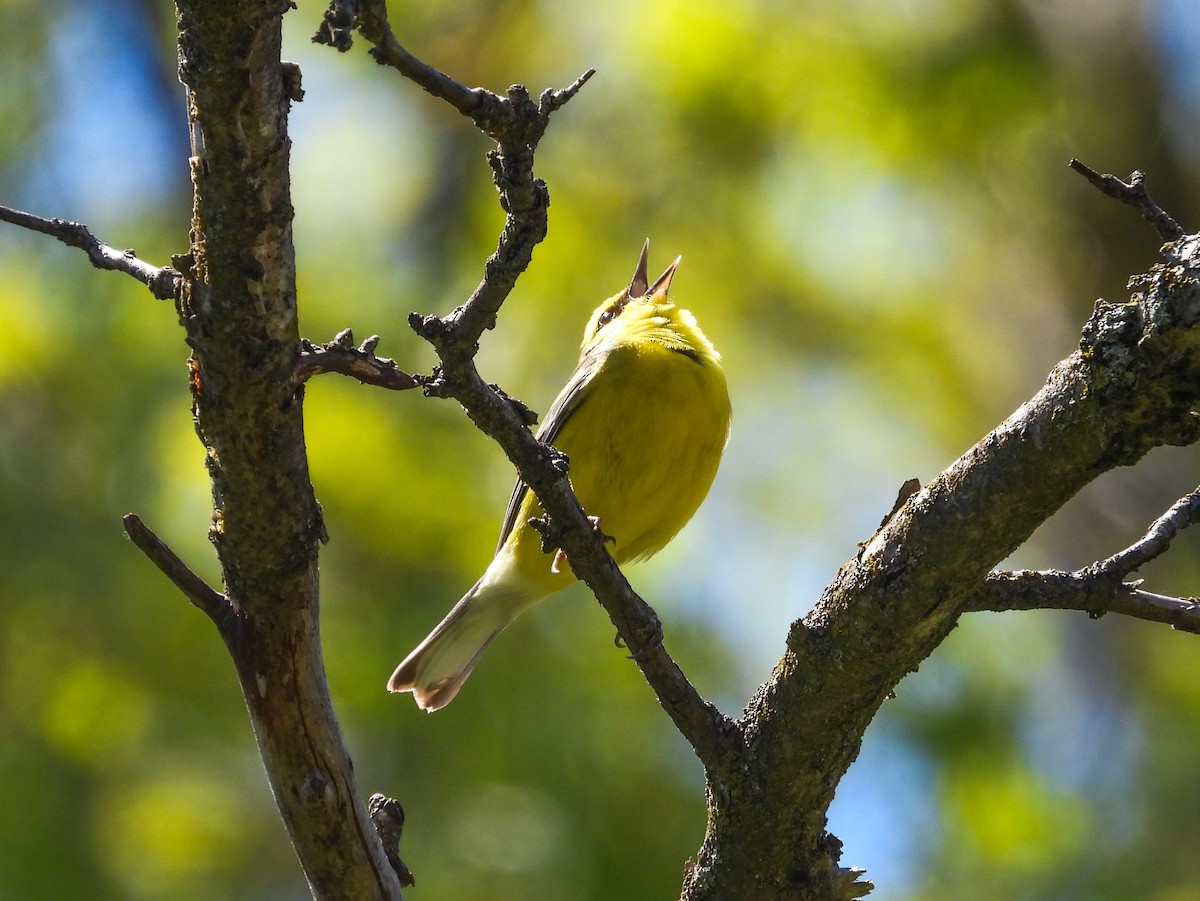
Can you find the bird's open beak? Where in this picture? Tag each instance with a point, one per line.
(640, 285)
(658, 291)
(637, 285)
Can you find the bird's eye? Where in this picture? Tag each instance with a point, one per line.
(607, 316)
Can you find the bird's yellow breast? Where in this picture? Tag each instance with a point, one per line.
(644, 446)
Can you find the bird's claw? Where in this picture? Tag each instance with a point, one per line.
(607, 539)
(560, 558)
(653, 640)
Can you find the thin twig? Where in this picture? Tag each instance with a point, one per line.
(1135, 194)
(525, 201)
(496, 116)
(1183, 513)
(552, 100)
(164, 283)
(370, 18)
(1181, 613)
(1055, 590)
(194, 588)
(1099, 588)
(340, 356)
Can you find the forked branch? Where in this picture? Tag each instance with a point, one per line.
(1101, 588)
(495, 116)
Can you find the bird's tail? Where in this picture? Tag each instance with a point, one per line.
(437, 668)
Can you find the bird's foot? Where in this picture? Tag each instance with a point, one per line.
(650, 637)
(560, 557)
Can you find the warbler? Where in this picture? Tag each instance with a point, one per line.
(643, 421)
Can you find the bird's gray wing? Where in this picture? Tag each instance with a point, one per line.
(572, 395)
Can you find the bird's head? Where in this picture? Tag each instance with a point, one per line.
(641, 304)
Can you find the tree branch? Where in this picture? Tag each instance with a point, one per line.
(195, 589)
(1080, 590)
(524, 199)
(1135, 194)
(238, 305)
(163, 282)
(514, 122)
(1183, 513)
(491, 113)
(340, 356)
(1099, 588)
(1131, 386)
(370, 18)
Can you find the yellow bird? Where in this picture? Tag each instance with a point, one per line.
(643, 420)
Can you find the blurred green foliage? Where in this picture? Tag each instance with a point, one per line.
(881, 235)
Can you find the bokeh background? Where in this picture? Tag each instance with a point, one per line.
(879, 232)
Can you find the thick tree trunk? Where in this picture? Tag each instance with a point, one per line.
(238, 305)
